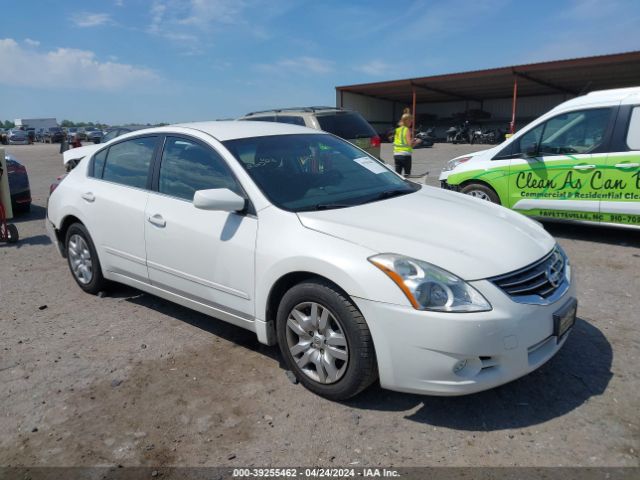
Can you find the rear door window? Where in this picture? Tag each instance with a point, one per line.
(347, 125)
(98, 163)
(128, 162)
(633, 134)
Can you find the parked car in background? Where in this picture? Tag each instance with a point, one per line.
(114, 132)
(94, 135)
(578, 162)
(31, 133)
(345, 124)
(17, 137)
(19, 188)
(40, 135)
(53, 135)
(316, 246)
(82, 133)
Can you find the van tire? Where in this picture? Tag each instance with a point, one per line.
(481, 191)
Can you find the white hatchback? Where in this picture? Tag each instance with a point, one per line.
(301, 237)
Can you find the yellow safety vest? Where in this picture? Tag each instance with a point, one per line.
(400, 141)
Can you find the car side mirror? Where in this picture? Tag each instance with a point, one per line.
(531, 150)
(220, 199)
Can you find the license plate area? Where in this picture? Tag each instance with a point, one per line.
(564, 319)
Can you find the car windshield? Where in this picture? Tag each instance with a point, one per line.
(315, 172)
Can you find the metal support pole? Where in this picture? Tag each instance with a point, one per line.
(413, 125)
(512, 127)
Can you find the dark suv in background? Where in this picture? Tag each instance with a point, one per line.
(53, 135)
(345, 124)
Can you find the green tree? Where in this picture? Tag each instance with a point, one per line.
(8, 124)
(67, 123)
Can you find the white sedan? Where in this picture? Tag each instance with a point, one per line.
(356, 273)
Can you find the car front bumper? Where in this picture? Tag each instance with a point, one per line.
(460, 353)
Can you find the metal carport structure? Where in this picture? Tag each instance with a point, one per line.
(561, 79)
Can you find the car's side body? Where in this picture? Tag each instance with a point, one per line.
(585, 165)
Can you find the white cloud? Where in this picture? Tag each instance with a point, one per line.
(66, 67)
(375, 68)
(86, 19)
(298, 65)
(193, 24)
(31, 42)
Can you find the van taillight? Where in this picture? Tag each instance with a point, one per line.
(375, 141)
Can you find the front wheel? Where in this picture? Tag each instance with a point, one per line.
(483, 192)
(325, 340)
(83, 259)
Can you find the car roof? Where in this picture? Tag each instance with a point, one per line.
(230, 130)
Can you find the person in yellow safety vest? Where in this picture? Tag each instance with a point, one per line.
(403, 144)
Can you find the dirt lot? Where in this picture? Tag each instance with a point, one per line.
(131, 379)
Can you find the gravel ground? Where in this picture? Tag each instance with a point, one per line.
(131, 379)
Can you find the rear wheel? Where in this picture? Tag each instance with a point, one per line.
(83, 259)
(483, 192)
(325, 341)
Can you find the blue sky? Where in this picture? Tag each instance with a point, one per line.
(122, 61)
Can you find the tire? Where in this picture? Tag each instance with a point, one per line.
(12, 233)
(347, 373)
(481, 191)
(83, 259)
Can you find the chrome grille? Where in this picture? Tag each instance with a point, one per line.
(538, 282)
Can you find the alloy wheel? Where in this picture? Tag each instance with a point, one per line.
(479, 194)
(317, 342)
(80, 259)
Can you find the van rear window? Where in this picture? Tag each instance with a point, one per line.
(347, 125)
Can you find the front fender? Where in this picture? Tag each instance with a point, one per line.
(285, 246)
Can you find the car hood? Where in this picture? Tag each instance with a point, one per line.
(471, 238)
(80, 152)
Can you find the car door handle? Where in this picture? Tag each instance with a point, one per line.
(584, 167)
(157, 220)
(89, 197)
(627, 165)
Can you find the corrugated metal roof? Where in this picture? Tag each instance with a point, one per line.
(572, 76)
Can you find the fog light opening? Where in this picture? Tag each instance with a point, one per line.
(459, 366)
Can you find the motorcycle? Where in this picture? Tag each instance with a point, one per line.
(460, 134)
(426, 137)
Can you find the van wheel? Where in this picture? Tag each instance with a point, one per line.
(325, 340)
(83, 259)
(481, 191)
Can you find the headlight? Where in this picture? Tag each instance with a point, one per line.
(428, 287)
(451, 164)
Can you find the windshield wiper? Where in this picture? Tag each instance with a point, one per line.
(328, 206)
(391, 193)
